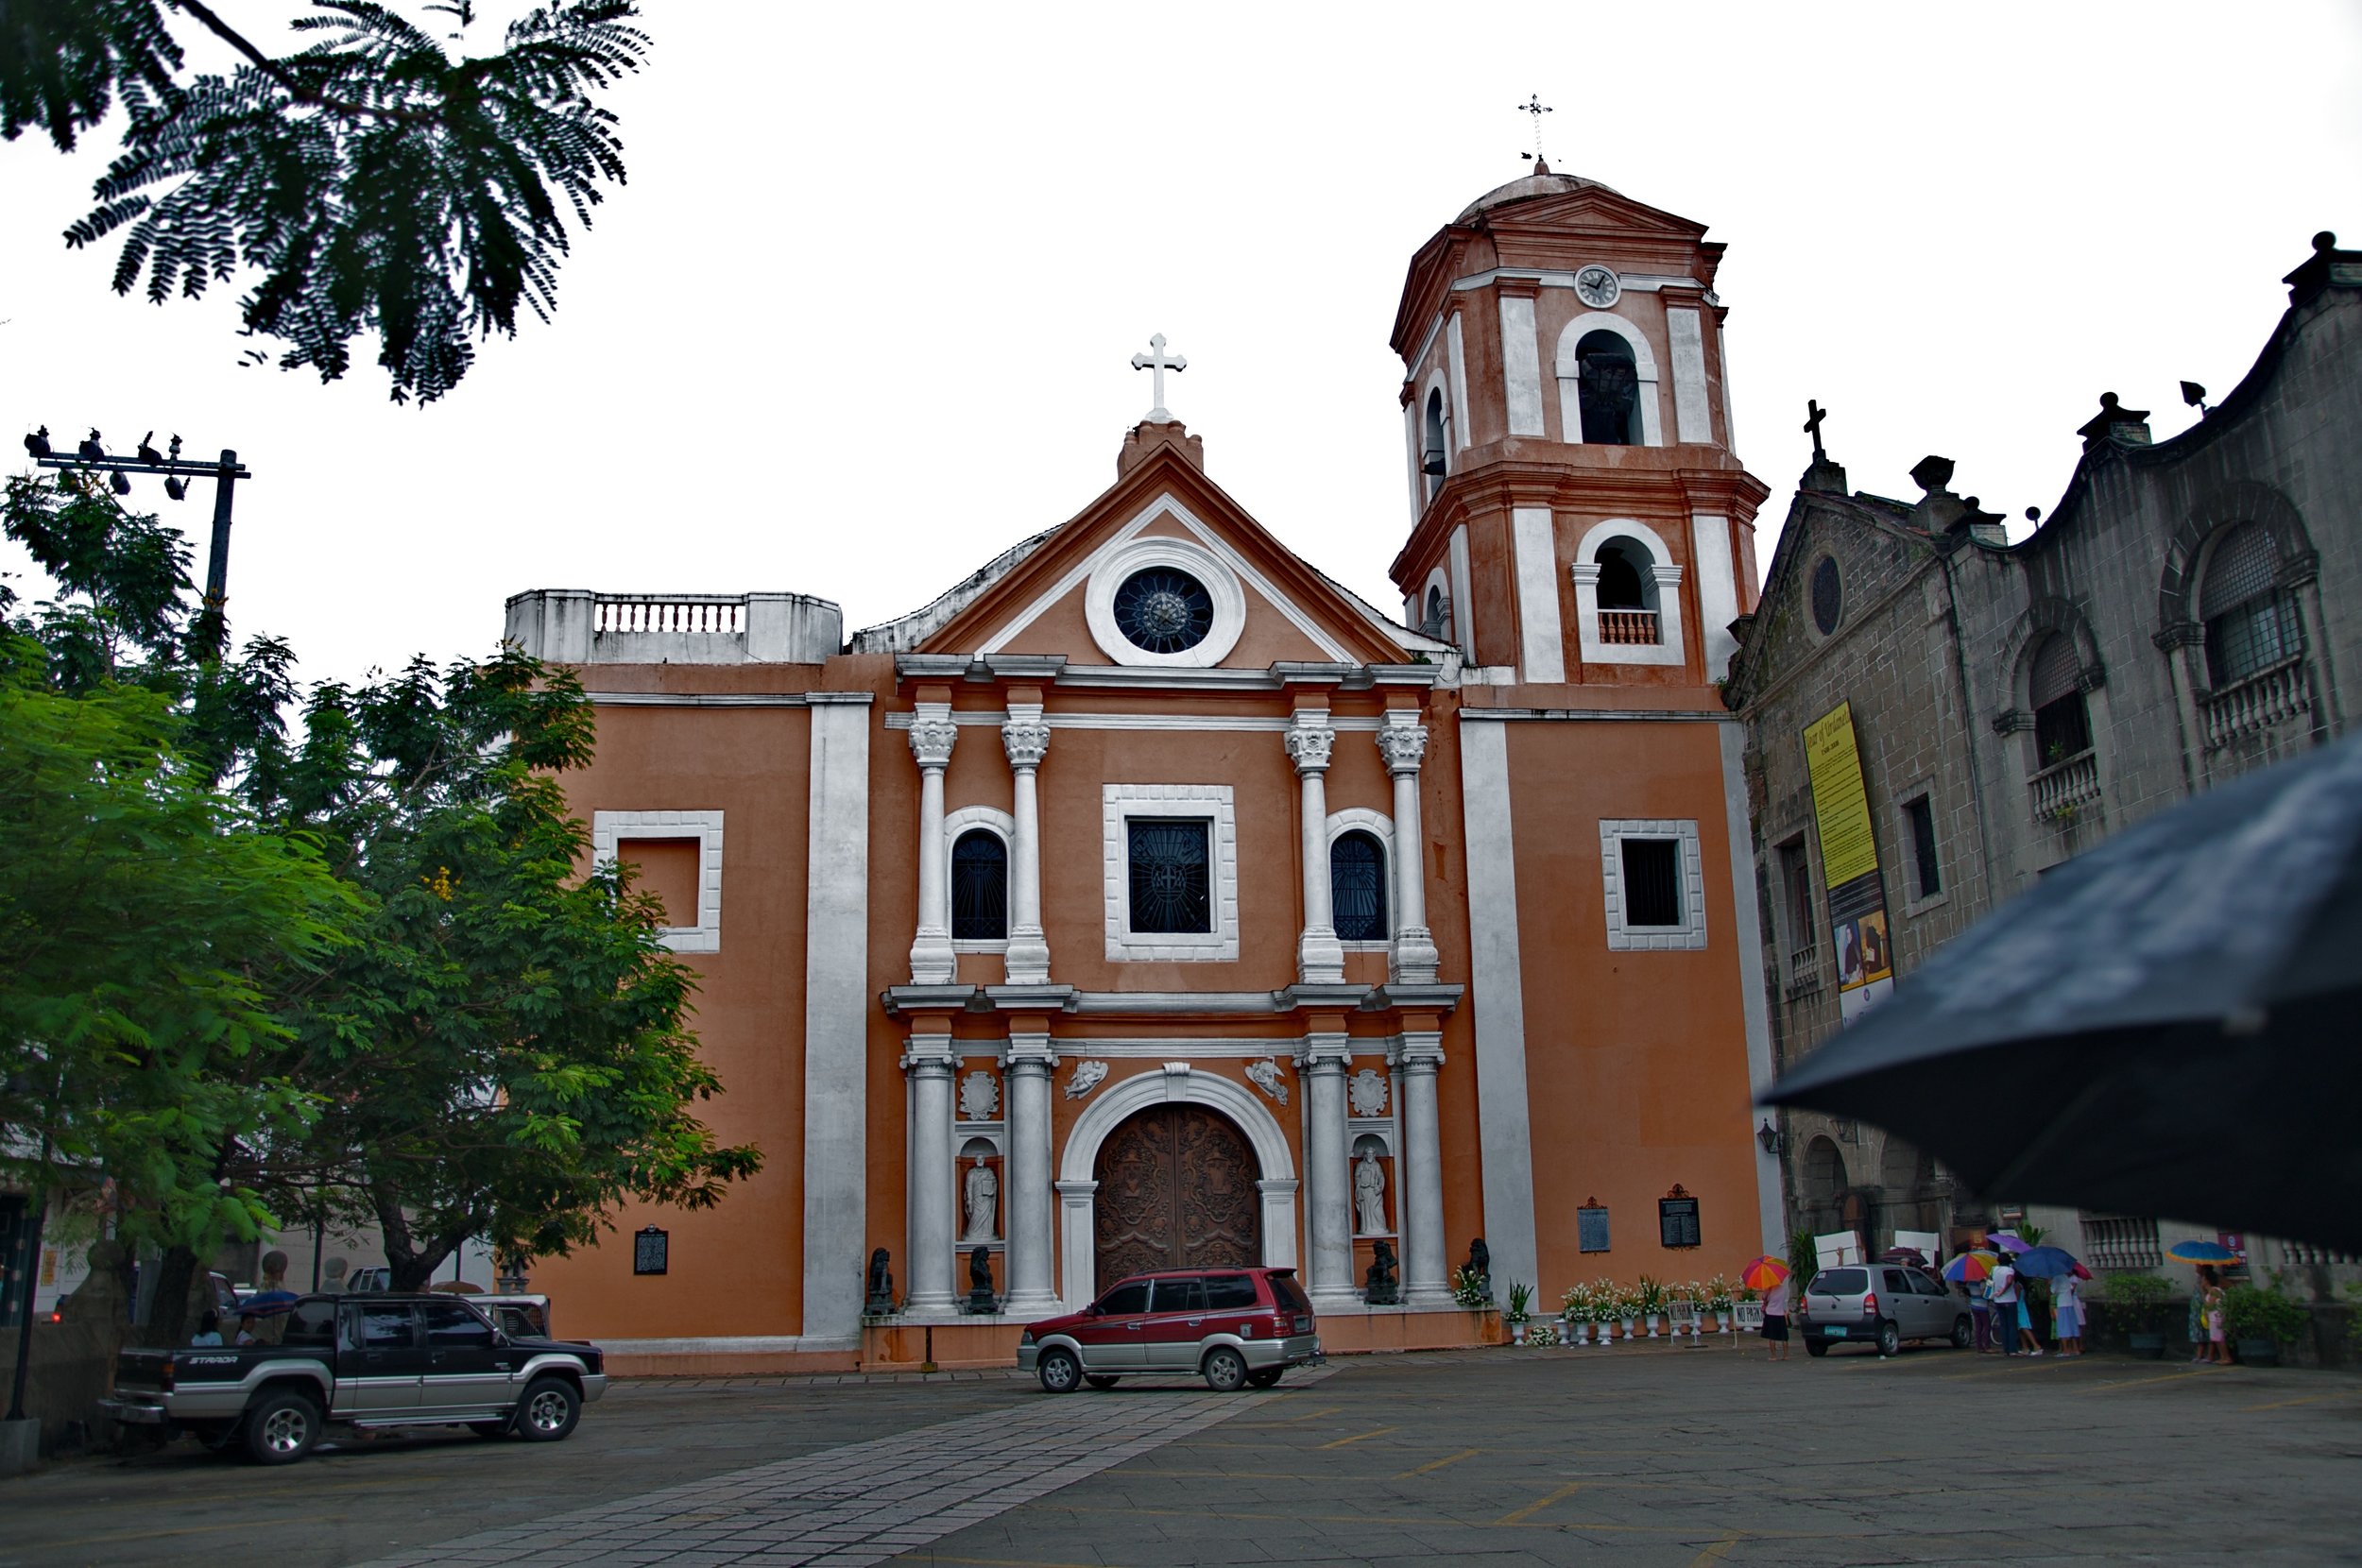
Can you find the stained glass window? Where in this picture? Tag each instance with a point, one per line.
(980, 887)
(1357, 887)
(1170, 876)
(1163, 610)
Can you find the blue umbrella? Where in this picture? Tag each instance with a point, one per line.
(2200, 1251)
(2045, 1263)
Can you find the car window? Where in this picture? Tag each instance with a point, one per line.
(1841, 1282)
(452, 1326)
(311, 1323)
(1287, 1294)
(523, 1319)
(1225, 1291)
(1185, 1295)
(1895, 1283)
(1132, 1297)
(386, 1328)
(1927, 1285)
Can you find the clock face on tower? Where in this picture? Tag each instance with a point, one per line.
(1598, 287)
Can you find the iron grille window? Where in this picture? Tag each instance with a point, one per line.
(1803, 934)
(1922, 813)
(1652, 883)
(1170, 878)
(2120, 1241)
(980, 887)
(1357, 887)
(2062, 725)
(2250, 625)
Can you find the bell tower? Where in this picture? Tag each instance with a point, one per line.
(1578, 514)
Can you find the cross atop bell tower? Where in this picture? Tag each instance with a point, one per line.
(1157, 360)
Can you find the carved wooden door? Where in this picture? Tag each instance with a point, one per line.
(1177, 1190)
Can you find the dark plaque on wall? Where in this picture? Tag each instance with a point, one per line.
(650, 1250)
(1591, 1227)
(1677, 1219)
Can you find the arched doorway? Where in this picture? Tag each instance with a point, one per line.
(1177, 1190)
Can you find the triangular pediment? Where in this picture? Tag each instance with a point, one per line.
(1595, 208)
(1266, 606)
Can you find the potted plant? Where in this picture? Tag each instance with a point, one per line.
(2260, 1321)
(1541, 1334)
(1719, 1301)
(1468, 1288)
(1574, 1311)
(1520, 1308)
(1628, 1308)
(2140, 1300)
(1651, 1297)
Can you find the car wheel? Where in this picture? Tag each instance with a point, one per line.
(1889, 1339)
(1060, 1373)
(1265, 1377)
(1816, 1347)
(1100, 1380)
(548, 1411)
(1225, 1369)
(1963, 1333)
(489, 1428)
(281, 1428)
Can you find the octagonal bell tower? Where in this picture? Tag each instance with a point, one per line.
(1579, 515)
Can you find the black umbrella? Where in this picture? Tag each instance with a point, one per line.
(2170, 1025)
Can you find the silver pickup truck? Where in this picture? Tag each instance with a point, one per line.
(367, 1362)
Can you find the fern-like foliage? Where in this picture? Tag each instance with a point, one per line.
(61, 60)
(377, 184)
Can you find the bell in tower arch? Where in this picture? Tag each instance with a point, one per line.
(1610, 391)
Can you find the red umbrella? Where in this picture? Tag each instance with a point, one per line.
(1765, 1273)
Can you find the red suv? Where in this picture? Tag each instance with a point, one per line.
(1235, 1327)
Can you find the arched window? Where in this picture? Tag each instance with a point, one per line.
(1431, 457)
(980, 887)
(2061, 727)
(1610, 391)
(1627, 589)
(1436, 621)
(2251, 624)
(1357, 887)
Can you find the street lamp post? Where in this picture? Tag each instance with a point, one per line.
(225, 472)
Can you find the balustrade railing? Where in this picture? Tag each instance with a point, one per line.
(2264, 698)
(691, 614)
(1628, 628)
(2065, 787)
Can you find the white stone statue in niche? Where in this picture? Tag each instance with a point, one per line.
(1088, 1076)
(980, 1096)
(1367, 1093)
(1266, 1076)
(982, 1188)
(1369, 1195)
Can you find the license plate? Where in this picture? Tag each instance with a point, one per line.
(1834, 1333)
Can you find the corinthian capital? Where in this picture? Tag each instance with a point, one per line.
(1308, 745)
(931, 740)
(1026, 740)
(1403, 746)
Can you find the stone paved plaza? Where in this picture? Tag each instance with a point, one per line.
(1641, 1455)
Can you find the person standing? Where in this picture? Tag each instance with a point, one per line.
(2067, 1315)
(2004, 1289)
(2217, 1324)
(2197, 1314)
(1980, 1313)
(1775, 1321)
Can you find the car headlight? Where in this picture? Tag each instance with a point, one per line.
(1025, 1338)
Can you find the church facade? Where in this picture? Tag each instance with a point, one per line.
(1147, 900)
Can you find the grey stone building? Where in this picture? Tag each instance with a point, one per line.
(2190, 608)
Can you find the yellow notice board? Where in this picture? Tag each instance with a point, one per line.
(1839, 807)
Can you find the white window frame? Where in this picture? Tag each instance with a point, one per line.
(607, 828)
(1667, 576)
(1361, 819)
(993, 820)
(1691, 932)
(1119, 804)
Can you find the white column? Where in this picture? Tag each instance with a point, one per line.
(1320, 958)
(1425, 1281)
(1029, 1060)
(1026, 739)
(934, 1238)
(1079, 1244)
(932, 735)
(837, 999)
(1412, 959)
(1327, 1198)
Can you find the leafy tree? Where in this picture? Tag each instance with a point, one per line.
(504, 1051)
(378, 183)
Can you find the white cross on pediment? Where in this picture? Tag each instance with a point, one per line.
(1159, 362)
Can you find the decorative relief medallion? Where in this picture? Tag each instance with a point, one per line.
(1088, 1076)
(980, 1096)
(1268, 1076)
(1366, 1094)
(931, 740)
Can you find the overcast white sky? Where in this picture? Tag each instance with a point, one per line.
(864, 313)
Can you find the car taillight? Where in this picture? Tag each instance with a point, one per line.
(1870, 1305)
(165, 1377)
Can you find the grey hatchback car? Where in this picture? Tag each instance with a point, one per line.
(1881, 1304)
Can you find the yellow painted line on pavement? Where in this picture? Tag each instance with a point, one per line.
(1521, 1515)
(2137, 1383)
(2310, 1399)
(1438, 1464)
(1311, 1415)
(1361, 1437)
(1715, 1553)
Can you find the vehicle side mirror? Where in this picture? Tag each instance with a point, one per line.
(1094, 1310)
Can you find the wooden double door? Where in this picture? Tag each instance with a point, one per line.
(1177, 1190)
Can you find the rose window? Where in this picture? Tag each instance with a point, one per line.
(1163, 611)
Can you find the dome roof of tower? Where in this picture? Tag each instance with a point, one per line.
(1538, 185)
